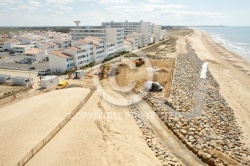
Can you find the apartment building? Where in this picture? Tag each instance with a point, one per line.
(109, 35)
(132, 42)
(145, 28)
(63, 43)
(99, 48)
(157, 32)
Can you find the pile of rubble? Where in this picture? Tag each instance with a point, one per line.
(213, 136)
(150, 137)
(185, 82)
(206, 136)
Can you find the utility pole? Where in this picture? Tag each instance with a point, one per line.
(29, 72)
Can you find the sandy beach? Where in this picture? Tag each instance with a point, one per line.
(92, 138)
(232, 72)
(25, 123)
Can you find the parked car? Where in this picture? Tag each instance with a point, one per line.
(32, 68)
(44, 72)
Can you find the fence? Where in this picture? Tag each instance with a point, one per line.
(44, 141)
(11, 99)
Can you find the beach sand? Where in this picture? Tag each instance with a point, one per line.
(99, 134)
(232, 72)
(26, 123)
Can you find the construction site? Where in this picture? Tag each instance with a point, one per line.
(133, 110)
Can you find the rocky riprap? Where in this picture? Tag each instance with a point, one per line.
(185, 81)
(214, 136)
(151, 139)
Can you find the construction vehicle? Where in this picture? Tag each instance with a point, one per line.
(62, 85)
(152, 86)
(102, 72)
(139, 62)
(113, 72)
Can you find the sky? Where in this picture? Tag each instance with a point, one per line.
(93, 12)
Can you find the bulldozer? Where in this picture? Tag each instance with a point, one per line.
(139, 62)
(102, 72)
(113, 72)
(107, 71)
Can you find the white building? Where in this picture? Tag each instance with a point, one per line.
(164, 35)
(59, 62)
(157, 32)
(49, 82)
(133, 41)
(81, 54)
(109, 35)
(99, 47)
(21, 48)
(145, 28)
(27, 40)
(9, 44)
(2, 43)
(128, 46)
(63, 43)
(49, 46)
(139, 38)
(35, 54)
(22, 81)
(4, 79)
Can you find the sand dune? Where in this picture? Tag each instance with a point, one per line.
(26, 123)
(86, 140)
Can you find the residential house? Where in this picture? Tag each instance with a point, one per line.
(9, 44)
(36, 54)
(21, 48)
(59, 62)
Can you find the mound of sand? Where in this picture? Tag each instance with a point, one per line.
(26, 123)
(99, 134)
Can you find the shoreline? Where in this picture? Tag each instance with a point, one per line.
(224, 46)
(232, 72)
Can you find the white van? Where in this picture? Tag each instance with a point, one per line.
(44, 72)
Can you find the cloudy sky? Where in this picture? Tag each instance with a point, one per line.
(93, 12)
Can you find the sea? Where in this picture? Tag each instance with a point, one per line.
(235, 39)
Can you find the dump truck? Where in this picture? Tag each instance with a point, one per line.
(152, 86)
(139, 62)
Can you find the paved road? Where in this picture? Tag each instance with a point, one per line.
(8, 61)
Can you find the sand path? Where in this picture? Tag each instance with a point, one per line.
(168, 139)
(232, 73)
(25, 123)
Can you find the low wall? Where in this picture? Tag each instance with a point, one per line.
(44, 141)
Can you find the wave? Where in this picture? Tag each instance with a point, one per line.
(234, 39)
(236, 47)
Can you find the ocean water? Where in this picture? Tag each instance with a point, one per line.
(235, 39)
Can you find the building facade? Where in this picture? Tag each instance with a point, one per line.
(145, 28)
(111, 36)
